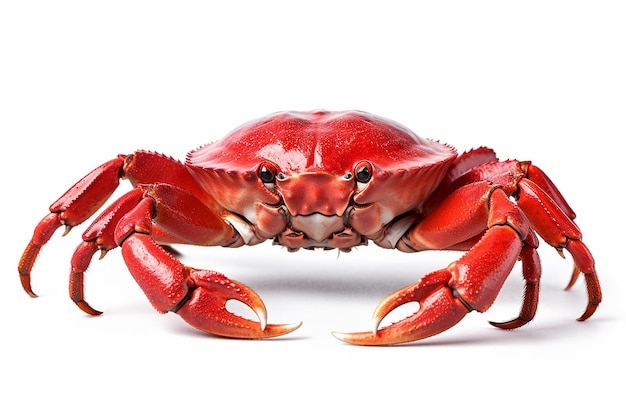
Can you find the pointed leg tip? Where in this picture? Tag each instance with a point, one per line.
(25, 280)
(83, 305)
(30, 292)
(509, 325)
(588, 312)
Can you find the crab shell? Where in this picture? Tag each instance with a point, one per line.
(320, 179)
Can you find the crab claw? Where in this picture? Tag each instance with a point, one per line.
(439, 310)
(199, 296)
(205, 309)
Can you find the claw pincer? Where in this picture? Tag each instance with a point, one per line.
(447, 295)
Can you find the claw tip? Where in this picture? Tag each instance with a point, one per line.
(361, 338)
(339, 335)
(262, 316)
(294, 326)
(375, 324)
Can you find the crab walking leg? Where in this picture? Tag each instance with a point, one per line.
(79, 203)
(42, 234)
(99, 236)
(558, 229)
(531, 270)
(471, 283)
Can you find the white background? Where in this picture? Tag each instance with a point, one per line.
(82, 81)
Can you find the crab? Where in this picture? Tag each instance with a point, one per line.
(329, 180)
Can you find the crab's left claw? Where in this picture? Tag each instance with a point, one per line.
(439, 310)
(205, 308)
(198, 296)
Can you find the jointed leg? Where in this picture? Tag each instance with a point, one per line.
(75, 206)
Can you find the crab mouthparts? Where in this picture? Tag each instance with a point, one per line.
(318, 226)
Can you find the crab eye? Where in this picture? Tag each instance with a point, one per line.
(363, 172)
(267, 173)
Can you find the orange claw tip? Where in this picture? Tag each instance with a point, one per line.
(361, 338)
(261, 314)
(274, 330)
(271, 330)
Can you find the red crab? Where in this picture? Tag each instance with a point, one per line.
(322, 180)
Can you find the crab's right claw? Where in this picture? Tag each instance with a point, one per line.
(439, 310)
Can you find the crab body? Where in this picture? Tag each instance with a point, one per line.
(305, 179)
(331, 180)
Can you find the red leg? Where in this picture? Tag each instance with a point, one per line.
(88, 195)
(531, 270)
(85, 197)
(552, 223)
(99, 236)
(75, 206)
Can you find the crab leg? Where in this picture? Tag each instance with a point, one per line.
(472, 282)
(75, 206)
(557, 228)
(531, 271)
